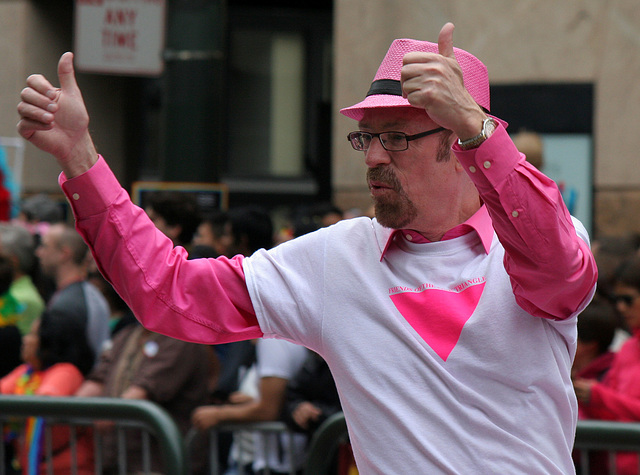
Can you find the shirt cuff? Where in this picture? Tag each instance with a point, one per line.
(92, 192)
(491, 162)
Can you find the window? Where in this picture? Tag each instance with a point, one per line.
(267, 109)
(562, 114)
(278, 103)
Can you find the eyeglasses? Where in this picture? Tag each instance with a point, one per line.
(625, 299)
(391, 141)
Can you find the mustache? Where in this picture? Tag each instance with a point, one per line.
(383, 175)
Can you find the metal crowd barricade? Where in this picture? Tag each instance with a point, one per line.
(591, 435)
(273, 427)
(154, 421)
(324, 445)
(607, 436)
(126, 413)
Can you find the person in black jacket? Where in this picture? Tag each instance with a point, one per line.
(311, 396)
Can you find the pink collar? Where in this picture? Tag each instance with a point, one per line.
(480, 222)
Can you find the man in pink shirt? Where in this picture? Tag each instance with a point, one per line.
(448, 321)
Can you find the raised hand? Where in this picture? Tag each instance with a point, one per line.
(56, 119)
(434, 82)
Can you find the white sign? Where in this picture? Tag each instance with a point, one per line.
(119, 36)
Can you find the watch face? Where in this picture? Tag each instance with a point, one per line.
(490, 127)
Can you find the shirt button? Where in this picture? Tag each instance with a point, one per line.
(487, 164)
(76, 196)
(472, 169)
(409, 237)
(515, 214)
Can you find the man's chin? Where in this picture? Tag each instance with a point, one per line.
(390, 217)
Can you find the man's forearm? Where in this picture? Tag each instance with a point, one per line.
(200, 300)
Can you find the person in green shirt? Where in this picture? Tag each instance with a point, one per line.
(18, 245)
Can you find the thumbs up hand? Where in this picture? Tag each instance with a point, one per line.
(433, 81)
(56, 119)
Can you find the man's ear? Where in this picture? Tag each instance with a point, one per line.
(66, 252)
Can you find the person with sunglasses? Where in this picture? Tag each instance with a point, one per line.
(467, 281)
(617, 396)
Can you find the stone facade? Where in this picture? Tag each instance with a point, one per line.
(523, 41)
(592, 41)
(33, 36)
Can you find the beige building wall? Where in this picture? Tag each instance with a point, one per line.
(593, 41)
(520, 41)
(33, 36)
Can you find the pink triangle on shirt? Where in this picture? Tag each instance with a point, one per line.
(439, 315)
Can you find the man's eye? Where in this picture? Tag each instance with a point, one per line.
(365, 139)
(395, 138)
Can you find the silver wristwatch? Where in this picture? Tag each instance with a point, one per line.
(488, 126)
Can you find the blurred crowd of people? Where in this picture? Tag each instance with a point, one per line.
(606, 367)
(64, 331)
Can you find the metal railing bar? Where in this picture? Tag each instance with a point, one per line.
(215, 454)
(97, 452)
(156, 419)
(146, 452)
(122, 450)
(273, 427)
(73, 442)
(292, 464)
(49, 447)
(3, 455)
(607, 435)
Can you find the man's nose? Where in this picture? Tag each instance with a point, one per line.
(376, 154)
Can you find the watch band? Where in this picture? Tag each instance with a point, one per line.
(488, 126)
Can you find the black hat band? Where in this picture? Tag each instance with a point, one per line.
(390, 87)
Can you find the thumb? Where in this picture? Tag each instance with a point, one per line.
(445, 40)
(66, 73)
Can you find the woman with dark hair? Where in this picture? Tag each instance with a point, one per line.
(56, 359)
(596, 330)
(617, 397)
(62, 340)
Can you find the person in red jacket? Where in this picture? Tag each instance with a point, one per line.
(617, 397)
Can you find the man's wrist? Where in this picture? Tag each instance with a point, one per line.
(81, 159)
(472, 127)
(488, 127)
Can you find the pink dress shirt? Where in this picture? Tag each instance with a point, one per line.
(552, 270)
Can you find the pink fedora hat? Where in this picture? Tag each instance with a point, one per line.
(386, 91)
